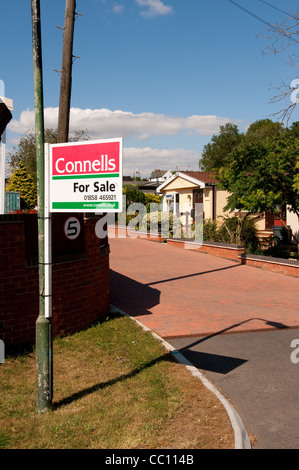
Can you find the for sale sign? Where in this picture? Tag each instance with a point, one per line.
(86, 176)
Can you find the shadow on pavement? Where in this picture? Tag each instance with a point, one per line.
(137, 298)
(132, 296)
(212, 362)
(215, 362)
(193, 275)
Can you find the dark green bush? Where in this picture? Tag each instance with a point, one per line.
(234, 230)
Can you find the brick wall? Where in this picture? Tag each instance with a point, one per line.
(212, 248)
(236, 253)
(287, 267)
(81, 286)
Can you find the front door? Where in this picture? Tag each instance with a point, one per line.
(197, 199)
(269, 218)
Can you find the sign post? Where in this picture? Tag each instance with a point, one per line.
(79, 177)
(44, 340)
(71, 177)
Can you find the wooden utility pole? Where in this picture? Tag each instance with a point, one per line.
(66, 72)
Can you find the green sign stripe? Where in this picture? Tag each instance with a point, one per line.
(77, 177)
(85, 205)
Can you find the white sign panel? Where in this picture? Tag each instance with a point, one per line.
(86, 176)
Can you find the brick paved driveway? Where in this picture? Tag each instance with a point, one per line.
(179, 292)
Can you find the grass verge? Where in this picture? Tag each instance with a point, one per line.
(115, 387)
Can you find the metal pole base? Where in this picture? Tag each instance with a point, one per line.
(44, 364)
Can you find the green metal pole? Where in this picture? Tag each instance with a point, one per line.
(44, 363)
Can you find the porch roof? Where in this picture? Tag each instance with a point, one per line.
(199, 178)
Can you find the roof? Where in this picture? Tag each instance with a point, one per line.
(200, 178)
(204, 176)
(158, 173)
(149, 184)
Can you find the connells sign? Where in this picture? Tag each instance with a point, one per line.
(85, 176)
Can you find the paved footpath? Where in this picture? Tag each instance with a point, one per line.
(198, 302)
(180, 292)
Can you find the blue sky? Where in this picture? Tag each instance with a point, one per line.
(163, 74)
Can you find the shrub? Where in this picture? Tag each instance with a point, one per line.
(162, 222)
(133, 194)
(210, 231)
(234, 230)
(22, 182)
(151, 198)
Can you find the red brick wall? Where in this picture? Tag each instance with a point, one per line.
(274, 267)
(220, 251)
(81, 288)
(238, 254)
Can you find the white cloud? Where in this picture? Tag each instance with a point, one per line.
(104, 123)
(155, 8)
(118, 8)
(147, 159)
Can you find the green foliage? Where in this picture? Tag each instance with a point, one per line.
(26, 151)
(21, 181)
(296, 178)
(260, 177)
(216, 153)
(23, 160)
(234, 230)
(152, 198)
(160, 222)
(133, 195)
(239, 230)
(264, 130)
(293, 131)
(210, 230)
(258, 167)
(275, 252)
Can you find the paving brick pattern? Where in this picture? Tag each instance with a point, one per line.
(180, 293)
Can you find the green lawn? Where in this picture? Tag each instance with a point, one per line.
(115, 387)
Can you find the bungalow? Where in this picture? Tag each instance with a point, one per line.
(183, 190)
(160, 176)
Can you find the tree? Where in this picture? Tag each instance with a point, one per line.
(21, 181)
(296, 179)
(26, 152)
(285, 37)
(216, 153)
(293, 131)
(264, 130)
(260, 176)
(133, 195)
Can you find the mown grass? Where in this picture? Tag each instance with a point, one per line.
(115, 387)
